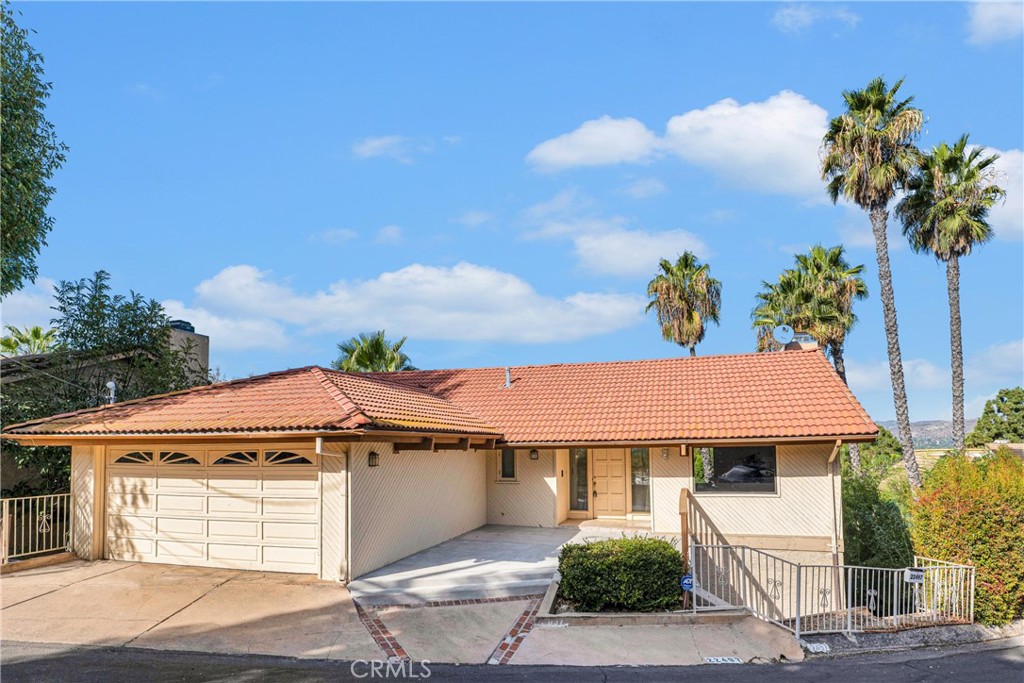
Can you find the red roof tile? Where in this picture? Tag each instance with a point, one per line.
(790, 394)
(305, 399)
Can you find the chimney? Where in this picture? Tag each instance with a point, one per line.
(508, 378)
(801, 341)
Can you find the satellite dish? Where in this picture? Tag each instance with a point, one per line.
(783, 334)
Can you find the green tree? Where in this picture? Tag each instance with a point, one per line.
(685, 298)
(945, 213)
(1002, 419)
(869, 153)
(28, 340)
(372, 353)
(29, 156)
(101, 337)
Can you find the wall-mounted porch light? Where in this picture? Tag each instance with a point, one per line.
(534, 454)
(374, 459)
(664, 454)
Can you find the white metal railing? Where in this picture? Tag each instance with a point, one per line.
(34, 525)
(830, 598)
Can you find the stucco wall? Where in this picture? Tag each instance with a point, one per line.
(333, 513)
(800, 509)
(528, 501)
(411, 501)
(86, 537)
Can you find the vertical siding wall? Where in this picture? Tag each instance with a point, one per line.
(83, 501)
(333, 511)
(411, 501)
(668, 478)
(528, 501)
(798, 515)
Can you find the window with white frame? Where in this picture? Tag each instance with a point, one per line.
(507, 466)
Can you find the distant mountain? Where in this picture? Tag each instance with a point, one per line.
(930, 433)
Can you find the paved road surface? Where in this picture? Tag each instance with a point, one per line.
(1001, 662)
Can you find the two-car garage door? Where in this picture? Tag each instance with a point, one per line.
(249, 508)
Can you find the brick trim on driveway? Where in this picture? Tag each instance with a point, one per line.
(509, 645)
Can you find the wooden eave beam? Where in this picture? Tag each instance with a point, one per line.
(425, 444)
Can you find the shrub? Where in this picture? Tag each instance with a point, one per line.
(972, 511)
(634, 574)
(874, 525)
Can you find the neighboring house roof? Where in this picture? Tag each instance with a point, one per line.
(783, 394)
(304, 399)
(780, 395)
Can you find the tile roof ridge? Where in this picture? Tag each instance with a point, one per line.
(146, 399)
(634, 361)
(353, 412)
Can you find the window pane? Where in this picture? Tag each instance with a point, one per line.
(508, 463)
(578, 479)
(747, 469)
(640, 459)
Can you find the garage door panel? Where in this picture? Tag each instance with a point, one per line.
(177, 503)
(134, 502)
(290, 507)
(234, 529)
(295, 557)
(300, 534)
(174, 527)
(243, 517)
(169, 551)
(235, 553)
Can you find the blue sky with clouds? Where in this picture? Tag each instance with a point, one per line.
(498, 181)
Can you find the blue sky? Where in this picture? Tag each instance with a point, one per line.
(498, 181)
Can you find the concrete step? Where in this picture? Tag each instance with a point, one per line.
(391, 595)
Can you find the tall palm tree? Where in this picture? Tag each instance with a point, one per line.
(685, 297)
(28, 340)
(372, 353)
(945, 213)
(868, 155)
(815, 297)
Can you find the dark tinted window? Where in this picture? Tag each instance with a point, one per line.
(508, 463)
(740, 469)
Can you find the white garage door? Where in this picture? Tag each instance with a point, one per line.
(238, 509)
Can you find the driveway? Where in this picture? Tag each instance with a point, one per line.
(183, 608)
(490, 562)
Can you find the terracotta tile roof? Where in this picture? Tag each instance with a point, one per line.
(764, 395)
(790, 394)
(304, 399)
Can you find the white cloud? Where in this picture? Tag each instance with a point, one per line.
(643, 188)
(473, 218)
(397, 147)
(918, 373)
(991, 22)
(464, 302)
(229, 333)
(147, 91)
(30, 305)
(336, 236)
(1007, 217)
(796, 18)
(1000, 364)
(389, 234)
(633, 252)
(600, 142)
(606, 244)
(770, 146)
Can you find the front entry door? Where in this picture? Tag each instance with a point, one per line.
(609, 482)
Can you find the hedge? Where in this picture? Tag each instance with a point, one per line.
(972, 511)
(634, 574)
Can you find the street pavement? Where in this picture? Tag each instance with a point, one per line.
(994, 662)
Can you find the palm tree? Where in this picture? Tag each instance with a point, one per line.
(372, 353)
(869, 153)
(945, 212)
(28, 340)
(815, 297)
(685, 297)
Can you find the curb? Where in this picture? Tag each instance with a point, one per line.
(841, 645)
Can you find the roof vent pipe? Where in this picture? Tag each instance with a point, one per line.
(508, 378)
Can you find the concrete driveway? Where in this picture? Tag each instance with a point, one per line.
(490, 562)
(183, 608)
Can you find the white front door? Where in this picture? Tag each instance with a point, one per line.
(243, 508)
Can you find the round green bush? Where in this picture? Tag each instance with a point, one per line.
(632, 574)
(972, 511)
